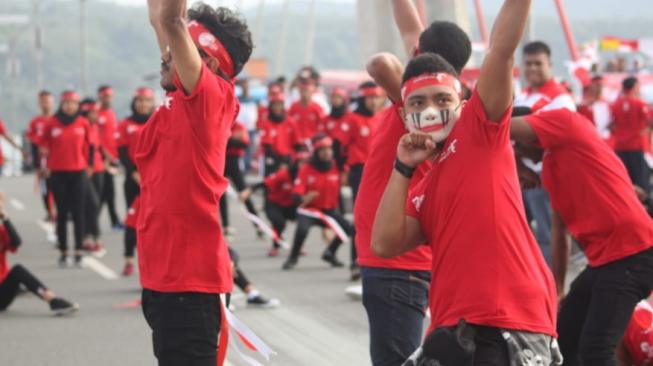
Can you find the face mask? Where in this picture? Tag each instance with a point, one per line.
(438, 123)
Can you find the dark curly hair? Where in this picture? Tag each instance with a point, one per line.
(229, 28)
(427, 63)
(449, 41)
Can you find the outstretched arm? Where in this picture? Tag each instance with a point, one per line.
(495, 81)
(386, 70)
(521, 131)
(409, 24)
(171, 27)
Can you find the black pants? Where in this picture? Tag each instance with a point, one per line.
(279, 216)
(224, 211)
(109, 197)
(395, 301)
(9, 287)
(130, 241)
(637, 168)
(240, 279)
(68, 189)
(491, 348)
(233, 172)
(92, 206)
(185, 327)
(132, 190)
(304, 224)
(600, 303)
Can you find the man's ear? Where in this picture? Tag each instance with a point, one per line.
(213, 64)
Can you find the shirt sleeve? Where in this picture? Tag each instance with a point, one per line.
(121, 134)
(553, 128)
(415, 199)
(490, 133)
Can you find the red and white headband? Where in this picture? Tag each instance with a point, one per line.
(212, 46)
(424, 80)
(323, 142)
(144, 93)
(371, 91)
(70, 95)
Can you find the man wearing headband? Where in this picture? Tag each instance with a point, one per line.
(306, 113)
(491, 285)
(107, 130)
(317, 188)
(35, 135)
(278, 132)
(127, 136)
(338, 123)
(393, 339)
(180, 155)
(593, 198)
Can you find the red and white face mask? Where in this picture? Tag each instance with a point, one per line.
(436, 122)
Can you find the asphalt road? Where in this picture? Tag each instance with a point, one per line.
(315, 325)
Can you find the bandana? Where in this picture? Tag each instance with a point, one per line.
(70, 95)
(144, 93)
(371, 91)
(212, 46)
(423, 80)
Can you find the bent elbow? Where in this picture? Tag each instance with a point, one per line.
(376, 64)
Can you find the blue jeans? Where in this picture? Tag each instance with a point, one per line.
(538, 203)
(395, 302)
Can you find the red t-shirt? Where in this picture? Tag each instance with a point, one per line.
(638, 338)
(94, 140)
(487, 267)
(107, 122)
(3, 130)
(338, 128)
(180, 155)
(327, 184)
(36, 129)
(4, 248)
(590, 188)
(238, 129)
(132, 214)
(279, 187)
(378, 168)
(281, 136)
(551, 95)
(357, 142)
(306, 118)
(68, 145)
(630, 118)
(127, 135)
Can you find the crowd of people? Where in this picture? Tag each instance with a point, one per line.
(484, 247)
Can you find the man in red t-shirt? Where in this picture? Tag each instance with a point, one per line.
(593, 198)
(306, 113)
(317, 191)
(393, 339)
(488, 274)
(180, 155)
(35, 132)
(630, 128)
(107, 124)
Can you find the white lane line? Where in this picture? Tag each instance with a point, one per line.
(99, 268)
(46, 226)
(17, 204)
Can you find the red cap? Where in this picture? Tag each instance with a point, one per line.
(144, 93)
(323, 142)
(340, 91)
(70, 95)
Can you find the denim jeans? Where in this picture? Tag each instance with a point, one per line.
(538, 203)
(600, 303)
(185, 326)
(395, 302)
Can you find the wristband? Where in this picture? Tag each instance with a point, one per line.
(404, 169)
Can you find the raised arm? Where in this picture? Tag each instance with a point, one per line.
(393, 232)
(495, 81)
(386, 70)
(173, 28)
(409, 24)
(154, 9)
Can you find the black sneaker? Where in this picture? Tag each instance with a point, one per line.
(261, 302)
(289, 264)
(355, 272)
(61, 307)
(331, 259)
(63, 261)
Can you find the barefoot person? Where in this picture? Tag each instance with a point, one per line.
(183, 259)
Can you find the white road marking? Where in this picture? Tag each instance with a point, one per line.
(17, 204)
(99, 268)
(46, 226)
